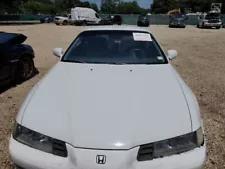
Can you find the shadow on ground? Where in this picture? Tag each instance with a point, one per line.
(14, 83)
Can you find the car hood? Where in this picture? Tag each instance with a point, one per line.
(61, 17)
(108, 106)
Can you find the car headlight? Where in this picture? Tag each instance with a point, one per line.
(39, 141)
(179, 144)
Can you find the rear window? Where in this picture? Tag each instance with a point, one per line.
(143, 17)
(117, 17)
(115, 47)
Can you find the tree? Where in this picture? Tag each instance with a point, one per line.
(84, 4)
(32, 7)
(94, 6)
(108, 7)
(128, 8)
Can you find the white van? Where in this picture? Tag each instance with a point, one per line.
(84, 16)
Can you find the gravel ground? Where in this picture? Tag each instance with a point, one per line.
(200, 62)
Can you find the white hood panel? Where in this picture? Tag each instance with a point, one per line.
(109, 106)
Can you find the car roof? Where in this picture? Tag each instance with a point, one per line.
(117, 28)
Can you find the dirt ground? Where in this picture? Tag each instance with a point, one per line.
(200, 62)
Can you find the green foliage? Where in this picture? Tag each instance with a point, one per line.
(121, 8)
(59, 6)
(163, 6)
(94, 6)
(35, 7)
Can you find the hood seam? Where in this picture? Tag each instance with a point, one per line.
(186, 101)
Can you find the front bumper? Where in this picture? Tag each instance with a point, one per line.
(177, 24)
(143, 23)
(29, 158)
(58, 21)
(207, 24)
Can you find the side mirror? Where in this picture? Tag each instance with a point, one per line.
(58, 52)
(171, 54)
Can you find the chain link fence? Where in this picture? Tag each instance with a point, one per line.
(127, 19)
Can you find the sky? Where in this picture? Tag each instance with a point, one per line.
(142, 3)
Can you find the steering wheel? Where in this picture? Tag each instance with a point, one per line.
(134, 53)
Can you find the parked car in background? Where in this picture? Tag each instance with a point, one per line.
(47, 19)
(84, 16)
(143, 20)
(16, 59)
(210, 20)
(63, 20)
(113, 101)
(112, 19)
(178, 20)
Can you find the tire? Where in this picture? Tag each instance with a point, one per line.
(84, 23)
(218, 27)
(65, 22)
(57, 24)
(203, 25)
(25, 69)
(198, 26)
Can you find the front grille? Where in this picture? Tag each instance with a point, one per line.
(56, 19)
(59, 148)
(214, 21)
(145, 152)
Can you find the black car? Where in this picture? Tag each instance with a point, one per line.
(112, 19)
(177, 20)
(143, 20)
(16, 59)
(47, 19)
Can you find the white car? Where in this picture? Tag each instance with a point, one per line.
(62, 20)
(113, 101)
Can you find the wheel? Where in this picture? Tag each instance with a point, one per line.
(218, 27)
(198, 26)
(25, 69)
(203, 25)
(184, 26)
(65, 22)
(84, 23)
(57, 24)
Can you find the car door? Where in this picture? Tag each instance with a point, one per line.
(97, 18)
(5, 63)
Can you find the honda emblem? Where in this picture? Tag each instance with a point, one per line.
(100, 159)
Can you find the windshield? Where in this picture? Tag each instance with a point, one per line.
(178, 15)
(115, 47)
(212, 16)
(143, 17)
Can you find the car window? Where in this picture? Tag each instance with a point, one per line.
(108, 17)
(143, 17)
(117, 17)
(97, 15)
(115, 47)
(212, 16)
